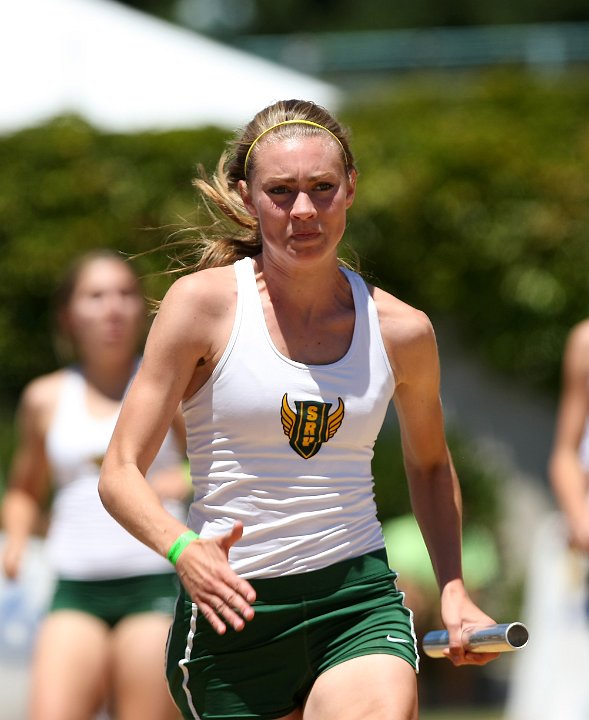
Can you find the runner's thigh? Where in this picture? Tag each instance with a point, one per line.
(371, 687)
(138, 650)
(69, 676)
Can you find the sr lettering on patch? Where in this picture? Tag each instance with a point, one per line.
(310, 425)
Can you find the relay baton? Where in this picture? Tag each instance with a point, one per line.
(494, 638)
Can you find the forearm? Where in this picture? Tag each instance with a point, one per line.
(135, 505)
(20, 515)
(569, 483)
(437, 505)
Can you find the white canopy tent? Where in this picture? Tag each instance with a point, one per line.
(126, 71)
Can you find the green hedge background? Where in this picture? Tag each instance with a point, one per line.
(472, 201)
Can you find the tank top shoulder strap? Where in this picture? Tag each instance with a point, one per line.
(249, 303)
(246, 287)
(73, 388)
(368, 332)
(246, 279)
(70, 401)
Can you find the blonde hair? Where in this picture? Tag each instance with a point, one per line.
(233, 233)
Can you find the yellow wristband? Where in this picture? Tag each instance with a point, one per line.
(179, 545)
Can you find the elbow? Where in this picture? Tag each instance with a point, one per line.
(552, 472)
(556, 467)
(431, 474)
(105, 489)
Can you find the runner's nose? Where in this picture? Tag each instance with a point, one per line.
(303, 206)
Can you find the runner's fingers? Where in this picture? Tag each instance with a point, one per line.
(233, 609)
(232, 617)
(479, 658)
(237, 595)
(213, 618)
(470, 658)
(241, 606)
(243, 589)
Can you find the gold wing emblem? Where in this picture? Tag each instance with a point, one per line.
(288, 417)
(335, 419)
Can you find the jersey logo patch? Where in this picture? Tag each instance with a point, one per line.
(311, 425)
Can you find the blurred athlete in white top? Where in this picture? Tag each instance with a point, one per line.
(102, 641)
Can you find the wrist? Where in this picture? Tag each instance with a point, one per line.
(453, 588)
(180, 544)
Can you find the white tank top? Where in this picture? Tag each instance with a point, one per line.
(285, 447)
(84, 541)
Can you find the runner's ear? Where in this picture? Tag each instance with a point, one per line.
(244, 191)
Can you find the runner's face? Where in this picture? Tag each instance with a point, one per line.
(106, 309)
(299, 191)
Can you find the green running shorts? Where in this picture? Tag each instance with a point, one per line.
(304, 624)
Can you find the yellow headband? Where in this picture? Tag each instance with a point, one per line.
(290, 122)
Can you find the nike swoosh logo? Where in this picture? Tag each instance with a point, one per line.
(390, 638)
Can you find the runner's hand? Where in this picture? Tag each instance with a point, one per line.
(11, 559)
(220, 594)
(459, 613)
